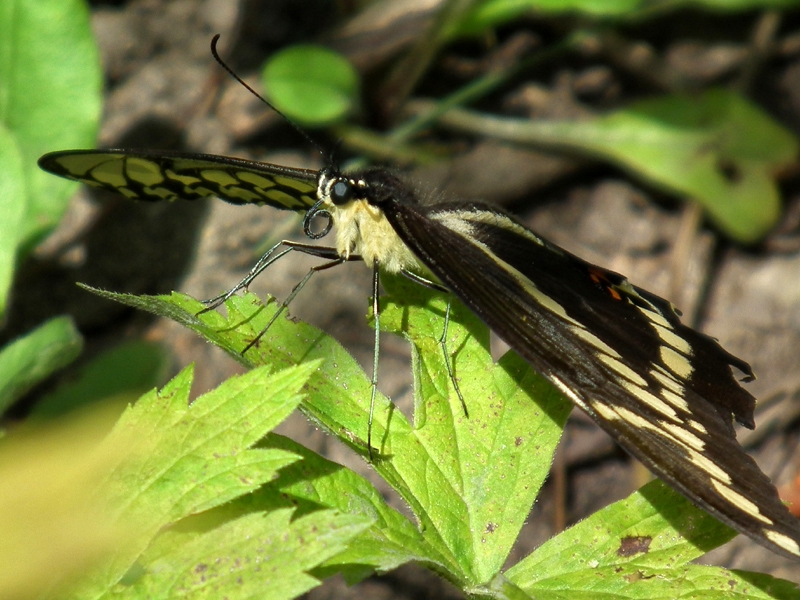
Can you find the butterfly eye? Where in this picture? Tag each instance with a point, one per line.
(342, 192)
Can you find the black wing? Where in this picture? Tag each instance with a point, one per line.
(665, 392)
(163, 175)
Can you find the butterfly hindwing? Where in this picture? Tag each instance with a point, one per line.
(163, 175)
(665, 392)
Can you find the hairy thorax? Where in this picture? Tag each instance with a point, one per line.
(363, 229)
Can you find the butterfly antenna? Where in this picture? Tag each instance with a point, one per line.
(230, 71)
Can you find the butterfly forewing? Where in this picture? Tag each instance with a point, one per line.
(665, 392)
(162, 175)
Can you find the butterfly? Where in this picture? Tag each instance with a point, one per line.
(666, 393)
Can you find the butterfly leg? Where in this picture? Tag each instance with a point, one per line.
(447, 361)
(267, 259)
(376, 280)
(296, 290)
(442, 340)
(431, 285)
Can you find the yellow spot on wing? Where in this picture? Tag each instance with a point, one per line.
(708, 466)
(622, 369)
(783, 541)
(184, 179)
(204, 191)
(650, 400)
(159, 192)
(568, 392)
(542, 298)
(697, 426)
(676, 363)
(741, 502)
(455, 221)
(219, 177)
(680, 437)
(655, 317)
(143, 171)
(675, 400)
(673, 339)
(256, 180)
(79, 165)
(593, 340)
(667, 380)
(687, 437)
(631, 417)
(110, 173)
(282, 198)
(498, 220)
(605, 411)
(300, 186)
(244, 194)
(459, 222)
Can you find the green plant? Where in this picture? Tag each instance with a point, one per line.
(470, 482)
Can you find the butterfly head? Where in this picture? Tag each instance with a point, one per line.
(354, 204)
(336, 190)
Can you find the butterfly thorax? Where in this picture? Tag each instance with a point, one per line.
(361, 226)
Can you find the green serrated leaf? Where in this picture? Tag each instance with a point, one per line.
(311, 84)
(640, 547)
(654, 527)
(446, 465)
(494, 462)
(222, 424)
(184, 458)
(259, 555)
(314, 482)
(468, 481)
(632, 582)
